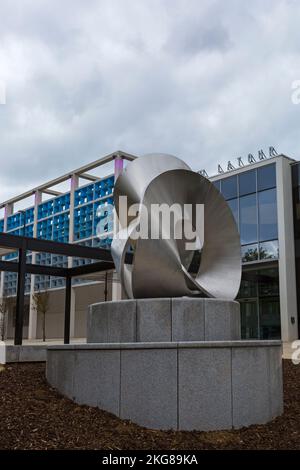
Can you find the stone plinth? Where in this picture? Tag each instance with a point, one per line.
(171, 364)
(152, 320)
(185, 386)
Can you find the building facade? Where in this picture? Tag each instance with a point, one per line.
(264, 198)
(261, 198)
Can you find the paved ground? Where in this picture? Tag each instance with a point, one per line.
(34, 416)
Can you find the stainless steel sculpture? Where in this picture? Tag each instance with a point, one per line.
(164, 267)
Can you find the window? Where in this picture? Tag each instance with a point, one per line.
(229, 187)
(247, 182)
(296, 175)
(248, 287)
(249, 319)
(217, 184)
(269, 318)
(248, 219)
(233, 204)
(269, 250)
(266, 177)
(249, 253)
(267, 210)
(268, 282)
(260, 305)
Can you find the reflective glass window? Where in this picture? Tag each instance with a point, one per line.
(267, 211)
(249, 253)
(249, 319)
(268, 282)
(269, 318)
(296, 175)
(248, 219)
(266, 177)
(229, 187)
(247, 182)
(217, 184)
(248, 287)
(269, 250)
(233, 204)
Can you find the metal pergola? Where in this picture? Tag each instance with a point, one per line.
(11, 243)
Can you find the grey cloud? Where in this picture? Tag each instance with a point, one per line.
(207, 83)
(195, 37)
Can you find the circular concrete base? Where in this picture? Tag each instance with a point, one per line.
(183, 386)
(171, 364)
(166, 319)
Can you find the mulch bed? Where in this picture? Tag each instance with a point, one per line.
(34, 416)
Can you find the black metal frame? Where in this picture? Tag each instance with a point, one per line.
(24, 244)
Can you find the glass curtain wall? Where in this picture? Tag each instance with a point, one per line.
(251, 195)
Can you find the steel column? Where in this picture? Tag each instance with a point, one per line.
(20, 297)
(67, 310)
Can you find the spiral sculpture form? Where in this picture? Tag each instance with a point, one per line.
(164, 266)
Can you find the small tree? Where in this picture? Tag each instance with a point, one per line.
(5, 304)
(41, 305)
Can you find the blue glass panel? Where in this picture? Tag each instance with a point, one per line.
(233, 204)
(29, 215)
(83, 222)
(62, 203)
(1, 225)
(248, 219)
(229, 187)
(104, 187)
(103, 216)
(247, 182)
(267, 210)
(266, 177)
(61, 227)
(84, 195)
(11, 255)
(15, 220)
(44, 229)
(217, 184)
(102, 242)
(29, 230)
(45, 209)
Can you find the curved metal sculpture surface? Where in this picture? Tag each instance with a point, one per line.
(163, 266)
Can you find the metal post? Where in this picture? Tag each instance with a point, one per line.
(32, 325)
(20, 297)
(116, 288)
(67, 310)
(105, 287)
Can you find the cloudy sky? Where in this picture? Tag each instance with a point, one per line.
(205, 80)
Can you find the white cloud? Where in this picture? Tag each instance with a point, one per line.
(207, 81)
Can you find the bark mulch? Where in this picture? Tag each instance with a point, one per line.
(34, 416)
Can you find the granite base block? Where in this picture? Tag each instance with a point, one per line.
(154, 320)
(204, 385)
